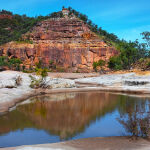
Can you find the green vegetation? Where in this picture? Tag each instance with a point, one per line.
(41, 81)
(115, 63)
(3, 61)
(52, 65)
(11, 63)
(38, 82)
(14, 63)
(146, 37)
(11, 29)
(22, 41)
(148, 64)
(97, 64)
(130, 53)
(42, 72)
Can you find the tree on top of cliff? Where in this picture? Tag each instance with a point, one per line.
(107, 37)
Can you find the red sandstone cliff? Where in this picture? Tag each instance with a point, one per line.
(68, 42)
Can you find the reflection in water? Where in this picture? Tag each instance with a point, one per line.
(64, 118)
(136, 118)
(70, 114)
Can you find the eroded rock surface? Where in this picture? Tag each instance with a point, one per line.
(67, 42)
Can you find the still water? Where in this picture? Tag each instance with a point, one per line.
(59, 117)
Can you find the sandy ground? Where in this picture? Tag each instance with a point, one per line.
(87, 75)
(72, 75)
(108, 143)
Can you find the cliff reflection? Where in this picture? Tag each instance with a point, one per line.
(64, 115)
(67, 115)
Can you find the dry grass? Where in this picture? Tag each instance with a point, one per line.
(137, 71)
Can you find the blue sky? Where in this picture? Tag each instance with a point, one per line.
(126, 18)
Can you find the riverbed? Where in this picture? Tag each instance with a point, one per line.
(70, 116)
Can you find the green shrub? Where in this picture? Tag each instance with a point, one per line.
(141, 60)
(99, 63)
(95, 65)
(35, 83)
(52, 65)
(44, 73)
(38, 83)
(148, 64)
(51, 62)
(41, 71)
(60, 69)
(39, 64)
(3, 61)
(24, 41)
(115, 63)
(28, 71)
(12, 63)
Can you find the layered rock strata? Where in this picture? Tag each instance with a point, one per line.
(66, 42)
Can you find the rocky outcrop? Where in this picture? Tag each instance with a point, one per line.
(67, 42)
(5, 16)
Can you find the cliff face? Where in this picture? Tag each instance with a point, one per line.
(67, 42)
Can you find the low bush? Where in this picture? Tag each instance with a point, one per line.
(38, 83)
(115, 63)
(148, 64)
(11, 63)
(97, 64)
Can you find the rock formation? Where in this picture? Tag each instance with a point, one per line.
(5, 16)
(67, 42)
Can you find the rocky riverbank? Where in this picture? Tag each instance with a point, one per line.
(11, 93)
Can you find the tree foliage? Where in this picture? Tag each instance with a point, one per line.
(130, 52)
(146, 37)
(12, 29)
